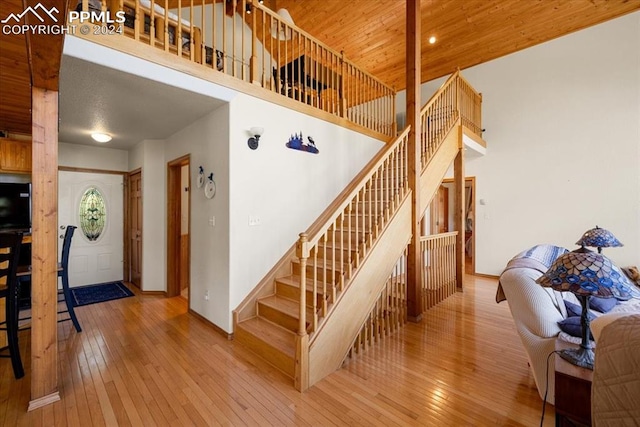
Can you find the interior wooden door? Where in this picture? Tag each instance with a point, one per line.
(135, 221)
(440, 211)
(178, 239)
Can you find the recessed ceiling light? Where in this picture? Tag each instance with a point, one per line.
(101, 137)
(432, 39)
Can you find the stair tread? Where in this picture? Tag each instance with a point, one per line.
(271, 333)
(294, 280)
(286, 306)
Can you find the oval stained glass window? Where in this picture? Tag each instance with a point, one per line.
(93, 214)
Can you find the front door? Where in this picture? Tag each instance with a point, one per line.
(93, 202)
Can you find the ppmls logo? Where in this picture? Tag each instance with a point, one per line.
(12, 23)
(50, 13)
(98, 21)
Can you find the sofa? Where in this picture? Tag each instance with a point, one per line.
(536, 311)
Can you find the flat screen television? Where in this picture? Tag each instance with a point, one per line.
(15, 206)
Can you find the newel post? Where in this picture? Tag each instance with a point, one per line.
(302, 252)
(302, 338)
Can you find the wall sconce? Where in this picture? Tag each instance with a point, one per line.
(257, 133)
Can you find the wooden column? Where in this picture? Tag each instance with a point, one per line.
(44, 261)
(459, 207)
(414, 273)
(44, 55)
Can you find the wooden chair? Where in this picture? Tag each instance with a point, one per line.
(63, 272)
(9, 253)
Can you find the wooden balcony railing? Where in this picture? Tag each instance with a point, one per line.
(245, 40)
(439, 267)
(456, 99)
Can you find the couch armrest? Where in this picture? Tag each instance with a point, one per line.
(532, 306)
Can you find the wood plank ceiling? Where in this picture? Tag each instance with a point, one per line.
(469, 32)
(372, 34)
(15, 77)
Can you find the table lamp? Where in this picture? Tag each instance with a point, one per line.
(598, 238)
(586, 274)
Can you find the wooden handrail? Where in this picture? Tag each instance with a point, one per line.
(339, 240)
(438, 236)
(454, 101)
(439, 92)
(346, 196)
(362, 209)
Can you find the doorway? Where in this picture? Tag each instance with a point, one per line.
(178, 227)
(441, 216)
(133, 267)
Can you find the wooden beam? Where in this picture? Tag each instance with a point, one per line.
(45, 50)
(414, 273)
(44, 252)
(459, 207)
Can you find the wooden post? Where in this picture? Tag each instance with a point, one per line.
(253, 77)
(414, 273)
(302, 338)
(459, 207)
(302, 253)
(44, 261)
(44, 54)
(342, 98)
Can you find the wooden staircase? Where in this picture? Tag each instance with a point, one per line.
(272, 331)
(343, 262)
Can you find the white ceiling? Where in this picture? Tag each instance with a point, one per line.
(130, 108)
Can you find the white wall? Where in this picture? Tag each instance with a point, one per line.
(85, 156)
(562, 126)
(149, 156)
(207, 142)
(287, 189)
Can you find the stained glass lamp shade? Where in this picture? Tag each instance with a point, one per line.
(586, 274)
(598, 238)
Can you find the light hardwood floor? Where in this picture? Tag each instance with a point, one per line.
(145, 361)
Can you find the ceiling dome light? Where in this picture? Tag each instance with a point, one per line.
(101, 137)
(432, 39)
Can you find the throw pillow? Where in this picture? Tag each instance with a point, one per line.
(571, 325)
(603, 305)
(576, 310)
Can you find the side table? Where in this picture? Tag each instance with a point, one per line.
(573, 391)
